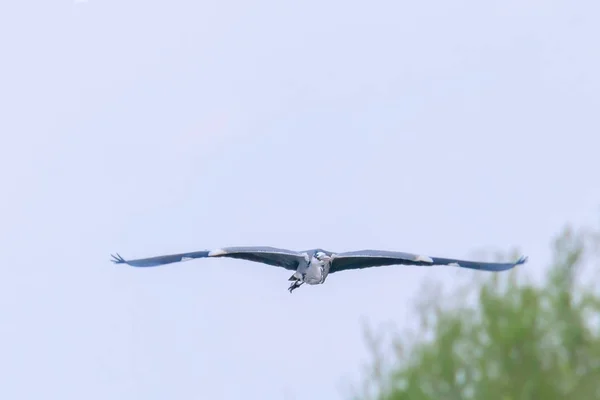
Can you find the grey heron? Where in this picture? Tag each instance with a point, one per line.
(314, 266)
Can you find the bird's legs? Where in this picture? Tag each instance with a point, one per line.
(295, 285)
(297, 280)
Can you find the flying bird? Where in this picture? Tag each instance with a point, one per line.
(314, 266)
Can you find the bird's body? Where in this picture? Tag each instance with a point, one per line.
(315, 272)
(314, 266)
(312, 272)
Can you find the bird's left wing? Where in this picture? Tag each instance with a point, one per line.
(377, 258)
(284, 258)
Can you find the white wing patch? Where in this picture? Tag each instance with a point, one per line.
(454, 264)
(216, 253)
(186, 259)
(424, 259)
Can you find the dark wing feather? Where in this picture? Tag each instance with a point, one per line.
(267, 255)
(378, 258)
(479, 265)
(284, 258)
(374, 258)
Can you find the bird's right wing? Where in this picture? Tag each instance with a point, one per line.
(284, 258)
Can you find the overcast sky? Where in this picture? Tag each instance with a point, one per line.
(153, 127)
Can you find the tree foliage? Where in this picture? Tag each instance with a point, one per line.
(519, 340)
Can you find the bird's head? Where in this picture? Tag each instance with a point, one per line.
(321, 256)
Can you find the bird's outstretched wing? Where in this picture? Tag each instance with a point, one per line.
(160, 260)
(378, 258)
(284, 258)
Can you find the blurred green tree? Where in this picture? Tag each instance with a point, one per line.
(517, 341)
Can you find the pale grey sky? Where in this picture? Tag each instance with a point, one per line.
(149, 127)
